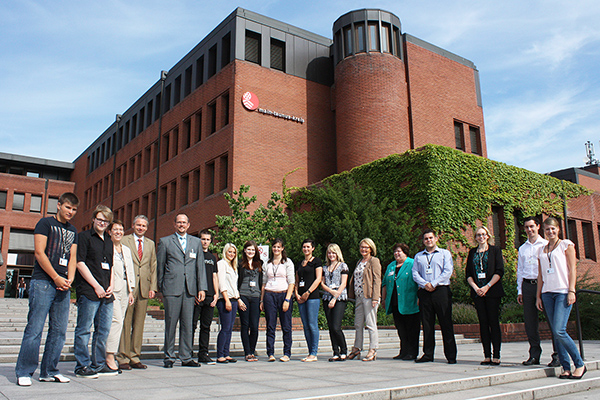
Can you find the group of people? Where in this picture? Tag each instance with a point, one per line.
(114, 276)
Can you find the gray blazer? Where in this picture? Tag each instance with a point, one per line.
(178, 272)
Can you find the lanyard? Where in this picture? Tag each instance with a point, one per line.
(549, 254)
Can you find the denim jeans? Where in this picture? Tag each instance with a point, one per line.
(44, 300)
(309, 313)
(558, 312)
(227, 318)
(249, 320)
(100, 314)
(273, 305)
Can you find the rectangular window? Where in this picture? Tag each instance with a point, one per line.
(360, 38)
(149, 115)
(134, 131)
(157, 108)
(167, 100)
(36, 203)
(397, 42)
(152, 205)
(147, 159)
(338, 41)
(173, 196)
(253, 47)
(131, 170)
(475, 140)
(177, 90)
(499, 226)
(212, 114)
(2, 200)
(187, 134)
(347, 41)
(188, 81)
(18, 202)
(225, 109)
(52, 205)
(226, 50)
(200, 71)
(198, 121)
(386, 38)
(277, 54)
(175, 142)
(223, 172)
(212, 61)
(573, 231)
(142, 114)
(195, 186)
(459, 137)
(162, 200)
(144, 205)
(210, 179)
(164, 156)
(588, 241)
(373, 36)
(185, 186)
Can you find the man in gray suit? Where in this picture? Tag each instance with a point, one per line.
(182, 281)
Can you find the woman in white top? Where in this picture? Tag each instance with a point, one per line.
(228, 300)
(278, 288)
(123, 283)
(556, 293)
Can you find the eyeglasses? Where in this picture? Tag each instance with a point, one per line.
(101, 221)
(481, 235)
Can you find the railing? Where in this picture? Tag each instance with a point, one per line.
(579, 334)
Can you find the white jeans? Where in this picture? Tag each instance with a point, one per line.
(365, 315)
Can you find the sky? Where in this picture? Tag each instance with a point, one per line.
(67, 67)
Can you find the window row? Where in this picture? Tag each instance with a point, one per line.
(367, 36)
(474, 139)
(27, 202)
(253, 50)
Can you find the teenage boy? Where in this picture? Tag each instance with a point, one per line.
(55, 243)
(93, 282)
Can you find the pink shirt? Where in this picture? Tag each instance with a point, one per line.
(555, 271)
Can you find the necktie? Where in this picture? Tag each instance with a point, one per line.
(182, 240)
(140, 252)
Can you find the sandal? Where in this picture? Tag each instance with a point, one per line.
(355, 353)
(371, 356)
(565, 375)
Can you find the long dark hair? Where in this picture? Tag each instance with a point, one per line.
(256, 262)
(283, 253)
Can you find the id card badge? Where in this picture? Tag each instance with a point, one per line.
(429, 271)
(192, 254)
(481, 275)
(550, 270)
(391, 273)
(252, 283)
(105, 265)
(63, 262)
(301, 284)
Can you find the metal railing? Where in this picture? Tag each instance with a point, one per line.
(579, 333)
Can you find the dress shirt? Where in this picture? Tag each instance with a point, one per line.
(435, 268)
(527, 261)
(228, 278)
(137, 242)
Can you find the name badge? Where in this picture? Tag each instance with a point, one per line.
(192, 255)
(105, 265)
(63, 261)
(301, 284)
(391, 273)
(481, 275)
(550, 271)
(252, 283)
(429, 271)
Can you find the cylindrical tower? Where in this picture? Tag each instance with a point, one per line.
(371, 100)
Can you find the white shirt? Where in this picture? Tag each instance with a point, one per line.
(527, 261)
(228, 278)
(555, 275)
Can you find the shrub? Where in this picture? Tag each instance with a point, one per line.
(511, 313)
(464, 314)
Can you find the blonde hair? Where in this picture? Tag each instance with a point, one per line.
(487, 231)
(234, 262)
(369, 242)
(334, 248)
(553, 222)
(104, 210)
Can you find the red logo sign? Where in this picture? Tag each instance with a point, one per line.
(250, 101)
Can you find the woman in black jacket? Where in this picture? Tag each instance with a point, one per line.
(484, 271)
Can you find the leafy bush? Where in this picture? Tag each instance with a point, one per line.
(464, 314)
(512, 313)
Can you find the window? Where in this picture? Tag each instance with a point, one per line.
(164, 156)
(588, 241)
(36, 203)
(572, 230)
(200, 71)
(185, 186)
(147, 159)
(167, 100)
(144, 205)
(142, 114)
(386, 38)
(223, 172)
(195, 187)
(499, 226)
(198, 121)
(18, 202)
(134, 131)
(162, 200)
(225, 50)
(212, 114)
(21, 239)
(2, 200)
(397, 42)
(212, 61)
(175, 141)
(210, 178)
(277, 54)
(177, 90)
(338, 49)
(225, 109)
(253, 47)
(52, 205)
(33, 174)
(373, 36)
(475, 141)
(173, 195)
(131, 170)
(187, 134)
(360, 38)
(149, 115)
(347, 41)
(188, 81)
(459, 137)
(157, 108)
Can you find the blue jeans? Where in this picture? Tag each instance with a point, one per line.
(309, 313)
(44, 300)
(100, 314)
(227, 319)
(558, 312)
(273, 305)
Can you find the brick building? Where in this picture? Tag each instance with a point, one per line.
(29, 190)
(312, 104)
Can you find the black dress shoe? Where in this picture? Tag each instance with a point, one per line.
(531, 361)
(409, 357)
(168, 364)
(191, 363)
(398, 357)
(452, 361)
(424, 359)
(554, 363)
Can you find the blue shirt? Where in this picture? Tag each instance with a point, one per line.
(435, 268)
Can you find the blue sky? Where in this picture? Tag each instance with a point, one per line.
(67, 67)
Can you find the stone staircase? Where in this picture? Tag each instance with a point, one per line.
(13, 319)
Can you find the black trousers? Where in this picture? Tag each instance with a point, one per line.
(408, 327)
(531, 319)
(249, 320)
(437, 303)
(203, 314)
(334, 322)
(488, 312)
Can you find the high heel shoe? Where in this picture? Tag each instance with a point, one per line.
(371, 356)
(354, 354)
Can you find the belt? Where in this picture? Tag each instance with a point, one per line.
(531, 281)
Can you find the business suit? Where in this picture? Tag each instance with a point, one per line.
(181, 275)
(130, 348)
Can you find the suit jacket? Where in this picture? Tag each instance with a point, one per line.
(371, 280)
(120, 284)
(495, 265)
(144, 269)
(179, 272)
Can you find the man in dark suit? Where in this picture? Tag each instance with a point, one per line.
(143, 251)
(182, 282)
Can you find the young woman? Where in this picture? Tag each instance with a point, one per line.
(335, 279)
(556, 293)
(250, 284)
(308, 279)
(276, 299)
(400, 293)
(123, 283)
(365, 286)
(484, 271)
(227, 271)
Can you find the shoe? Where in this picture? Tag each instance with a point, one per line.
(371, 356)
(168, 364)
(59, 378)
(205, 359)
(495, 361)
(108, 371)
(424, 359)
(272, 358)
(222, 360)
(409, 358)
(138, 365)
(355, 353)
(532, 361)
(334, 358)
(343, 357)
(486, 362)
(86, 372)
(554, 363)
(565, 375)
(24, 381)
(451, 361)
(125, 366)
(310, 359)
(231, 360)
(191, 363)
(285, 359)
(398, 357)
(579, 376)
